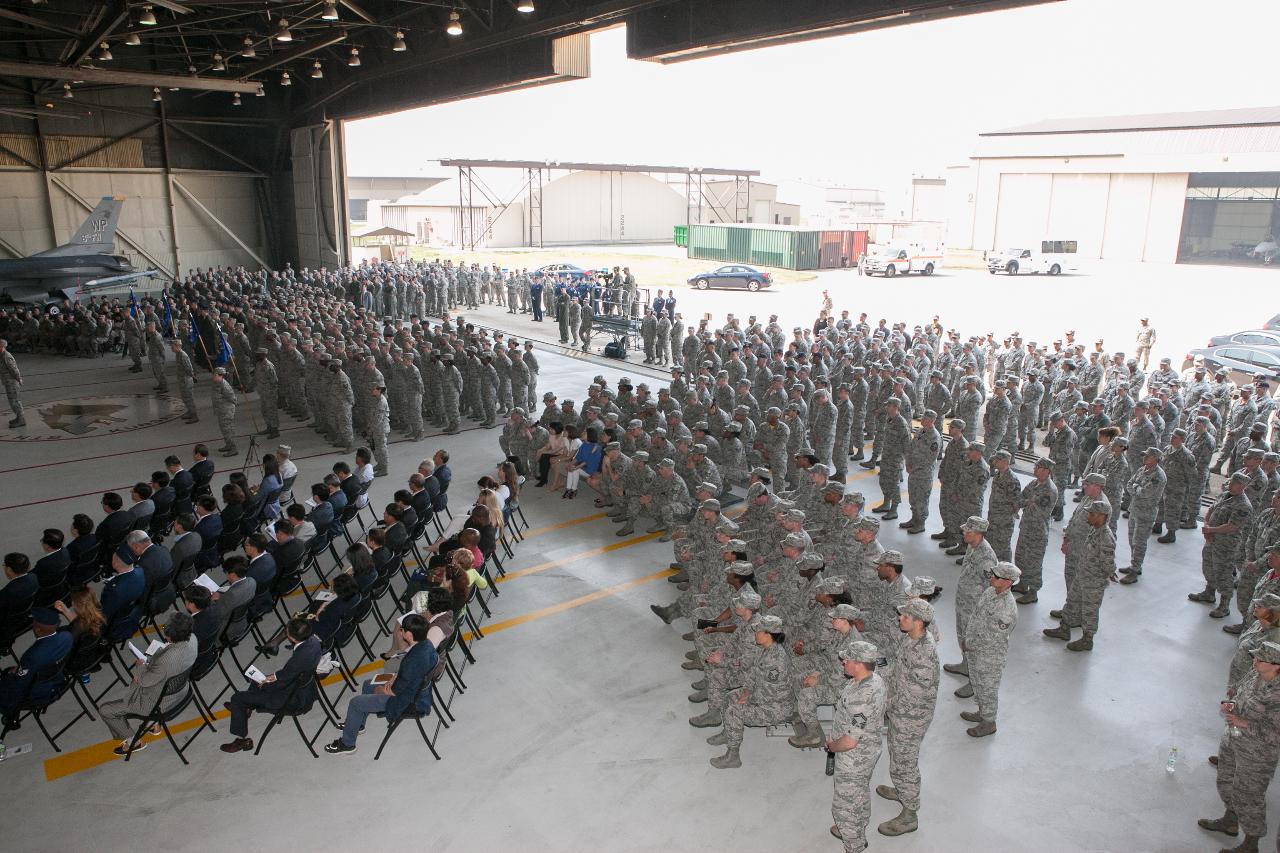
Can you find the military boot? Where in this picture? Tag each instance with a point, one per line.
(693, 664)
(706, 720)
(1228, 824)
(17, 422)
(1171, 536)
(971, 716)
(810, 739)
(1029, 597)
(870, 464)
(1157, 528)
(981, 730)
(883, 507)
(916, 527)
(888, 792)
(1062, 632)
(700, 684)
(1205, 596)
(892, 513)
(956, 550)
(1084, 644)
(961, 668)
(1223, 608)
(902, 824)
(941, 536)
(718, 739)
(687, 636)
(626, 529)
(698, 696)
(1234, 629)
(910, 522)
(1249, 845)
(964, 691)
(666, 614)
(730, 760)
(1055, 614)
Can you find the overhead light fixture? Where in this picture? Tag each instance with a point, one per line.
(316, 71)
(525, 7)
(285, 79)
(354, 59)
(330, 12)
(191, 69)
(455, 24)
(66, 91)
(282, 31)
(104, 52)
(248, 52)
(147, 18)
(155, 94)
(132, 40)
(398, 44)
(235, 100)
(218, 64)
(261, 93)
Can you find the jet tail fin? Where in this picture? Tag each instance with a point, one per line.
(96, 235)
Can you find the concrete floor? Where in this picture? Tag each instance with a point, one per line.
(573, 735)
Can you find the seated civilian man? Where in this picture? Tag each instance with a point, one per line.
(392, 698)
(296, 679)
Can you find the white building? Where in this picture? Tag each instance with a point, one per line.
(1201, 186)
(720, 202)
(608, 207)
(438, 216)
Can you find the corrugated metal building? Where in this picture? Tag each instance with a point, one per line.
(776, 246)
(1199, 186)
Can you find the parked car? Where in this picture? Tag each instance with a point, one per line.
(1260, 337)
(733, 275)
(1273, 323)
(558, 270)
(1242, 361)
(1054, 257)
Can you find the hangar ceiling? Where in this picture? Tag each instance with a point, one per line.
(256, 91)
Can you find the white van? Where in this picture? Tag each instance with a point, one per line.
(901, 258)
(1054, 257)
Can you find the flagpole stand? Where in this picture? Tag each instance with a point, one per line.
(252, 457)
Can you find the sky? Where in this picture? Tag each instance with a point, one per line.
(868, 110)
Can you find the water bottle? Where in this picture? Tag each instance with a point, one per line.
(1172, 764)
(831, 763)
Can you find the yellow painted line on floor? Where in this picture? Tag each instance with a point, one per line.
(537, 531)
(86, 758)
(581, 555)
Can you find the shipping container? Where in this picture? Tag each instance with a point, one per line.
(682, 236)
(776, 246)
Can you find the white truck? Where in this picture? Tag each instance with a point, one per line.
(1053, 257)
(901, 258)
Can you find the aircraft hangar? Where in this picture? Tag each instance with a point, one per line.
(221, 121)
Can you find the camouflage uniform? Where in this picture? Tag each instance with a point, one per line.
(986, 641)
(860, 715)
(1037, 504)
(913, 694)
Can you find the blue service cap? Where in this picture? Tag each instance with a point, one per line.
(126, 555)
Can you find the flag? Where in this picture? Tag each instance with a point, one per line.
(224, 354)
(191, 332)
(133, 305)
(168, 317)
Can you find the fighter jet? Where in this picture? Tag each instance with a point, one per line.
(80, 267)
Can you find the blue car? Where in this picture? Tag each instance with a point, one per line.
(574, 273)
(733, 275)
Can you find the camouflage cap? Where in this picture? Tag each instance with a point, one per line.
(1007, 571)
(727, 525)
(860, 651)
(810, 561)
(958, 423)
(748, 599)
(795, 515)
(711, 505)
(666, 462)
(794, 540)
(640, 456)
(868, 523)
(974, 524)
(890, 557)
(833, 487)
(1240, 477)
(755, 490)
(1254, 453)
(847, 612)
(1094, 479)
(735, 545)
(853, 498)
(833, 585)
(709, 488)
(1044, 462)
(1269, 601)
(1099, 507)
(923, 585)
(741, 568)
(917, 608)
(613, 445)
(977, 446)
(698, 448)
(1003, 455)
(1267, 652)
(771, 624)
(820, 468)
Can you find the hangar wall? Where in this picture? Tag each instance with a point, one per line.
(610, 207)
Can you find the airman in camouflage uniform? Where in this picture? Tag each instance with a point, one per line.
(1002, 506)
(856, 741)
(765, 697)
(268, 386)
(224, 407)
(1224, 527)
(1146, 488)
(986, 646)
(913, 695)
(1095, 568)
(1039, 497)
(953, 459)
(1061, 443)
(186, 380)
(893, 450)
(922, 465)
(451, 391)
(155, 355)
(975, 568)
(967, 499)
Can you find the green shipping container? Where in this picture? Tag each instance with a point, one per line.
(682, 235)
(787, 248)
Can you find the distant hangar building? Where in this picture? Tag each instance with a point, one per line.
(1166, 187)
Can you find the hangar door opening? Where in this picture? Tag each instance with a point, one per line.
(1231, 218)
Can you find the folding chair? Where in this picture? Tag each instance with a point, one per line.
(316, 546)
(286, 492)
(410, 713)
(45, 688)
(294, 712)
(15, 621)
(231, 637)
(178, 685)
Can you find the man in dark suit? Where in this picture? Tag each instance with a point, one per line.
(205, 624)
(209, 528)
(50, 646)
(162, 494)
(397, 536)
(51, 569)
(262, 565)
(238, 591)
(143, 506)
(420, 498)
(186, 545)
(154, 560)
(443, 476)
(338, 500)
(201, 470)
(409, 516)
(121, 594)
(430, 483)
(118, 521)
(182, 481)
(17, 595)
(288, 549)
(295, 681)
(321, 514)
(350, 485)
(85, 542)
(392, 699)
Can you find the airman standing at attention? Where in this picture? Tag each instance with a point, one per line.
(913, 694)
(1144, 341)
(224, 407)
(855, 740)
(986, 646)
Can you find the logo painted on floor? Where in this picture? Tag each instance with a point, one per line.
(94, 416)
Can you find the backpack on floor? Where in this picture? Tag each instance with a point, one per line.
(615, 349)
